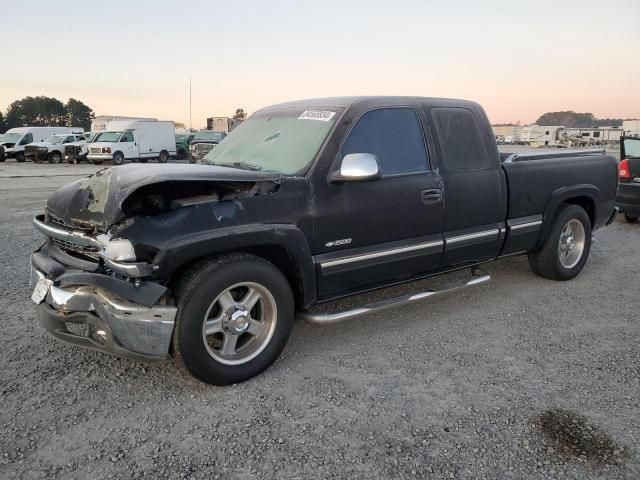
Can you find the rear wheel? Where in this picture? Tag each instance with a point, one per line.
(567, 246)
(630, 218)
(164, 157)
(118, 158)
(235, 314)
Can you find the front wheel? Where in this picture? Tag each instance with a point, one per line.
(235, 314)
(55, 157)
(630, 218)
(118, 158)
(567, 246)
(20, 157)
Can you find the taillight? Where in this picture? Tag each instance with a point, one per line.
(623, 170)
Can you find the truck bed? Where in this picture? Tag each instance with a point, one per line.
(535, 178)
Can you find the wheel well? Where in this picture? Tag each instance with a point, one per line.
(587, 203)
(278, 256)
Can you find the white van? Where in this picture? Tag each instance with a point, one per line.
(12, 142)
(137, 140)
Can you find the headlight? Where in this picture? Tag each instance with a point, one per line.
(106, 150)
(119, 250)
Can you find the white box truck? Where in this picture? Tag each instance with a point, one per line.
(135, 140)
(13, 141)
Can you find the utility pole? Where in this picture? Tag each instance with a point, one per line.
(189, 103)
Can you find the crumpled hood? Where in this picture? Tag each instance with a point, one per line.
(96, 201)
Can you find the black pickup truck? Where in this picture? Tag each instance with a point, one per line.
(304, 203)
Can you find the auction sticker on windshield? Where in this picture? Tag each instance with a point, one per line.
(321, 115)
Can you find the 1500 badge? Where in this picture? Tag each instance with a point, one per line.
(337, 243)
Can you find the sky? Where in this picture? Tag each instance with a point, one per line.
(135, 58)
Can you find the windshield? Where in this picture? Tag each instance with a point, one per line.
(108, 137)
(284, 140)
(210, 136)
(54, 139)
(10, 137)
(632, 147)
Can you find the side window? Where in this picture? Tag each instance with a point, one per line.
(127, 137)
(460, 140)
(68, 140)
(28, 138)
(394, 135)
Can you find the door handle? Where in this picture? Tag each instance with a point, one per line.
(431, 196)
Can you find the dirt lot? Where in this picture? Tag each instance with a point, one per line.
(518, 378)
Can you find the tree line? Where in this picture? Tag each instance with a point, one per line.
(573, 119)
(46, 112)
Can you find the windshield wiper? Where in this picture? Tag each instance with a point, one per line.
(242, 165)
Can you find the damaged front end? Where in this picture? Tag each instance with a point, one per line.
(95, 279)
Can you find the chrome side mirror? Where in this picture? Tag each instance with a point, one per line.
(357, 167)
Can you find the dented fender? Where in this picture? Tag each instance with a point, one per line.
(288, 237)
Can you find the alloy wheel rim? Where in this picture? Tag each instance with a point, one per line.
(571, 243)
(239, 323)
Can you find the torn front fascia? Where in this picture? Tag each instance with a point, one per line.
(145, 293)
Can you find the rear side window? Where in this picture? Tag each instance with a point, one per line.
(460, 140)
(394, 135)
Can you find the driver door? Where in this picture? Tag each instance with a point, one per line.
(383, 231)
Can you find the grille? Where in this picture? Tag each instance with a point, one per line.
(73, 248)
(71, 150)
(204, 147)
(95, 150)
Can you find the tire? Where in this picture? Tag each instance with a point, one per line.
(630, 219)
(164, 157)
(55, 157)
(118, 158)
(97, 162)
(200, 292)
(20, 157)
(567, 246)
(181, 154)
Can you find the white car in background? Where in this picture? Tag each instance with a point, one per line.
(52, 149)
(14, 140)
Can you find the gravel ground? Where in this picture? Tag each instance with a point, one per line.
(518, 378)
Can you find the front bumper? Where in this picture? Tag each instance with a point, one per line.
(36, 156)
(75, 157)
(93, 317)
(100, 156)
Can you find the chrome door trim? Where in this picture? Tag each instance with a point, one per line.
(382, 253)
(525, 225)
(473, 236)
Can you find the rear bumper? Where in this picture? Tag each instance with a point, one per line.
(628, 198)
(95, 318)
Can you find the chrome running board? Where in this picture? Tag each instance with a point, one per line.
(477, 276)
